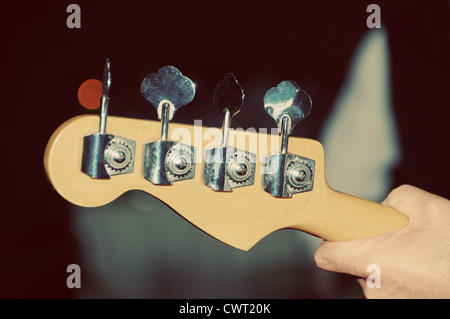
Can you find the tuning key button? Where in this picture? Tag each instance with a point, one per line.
(167, 88)
(227, 167)
(168, 161)
(287, 104)
(105, 155)
(287, 174)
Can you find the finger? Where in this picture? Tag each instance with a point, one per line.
(410, 200)
(400, 198)
(342, 257)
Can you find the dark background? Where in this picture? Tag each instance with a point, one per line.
(261, 42)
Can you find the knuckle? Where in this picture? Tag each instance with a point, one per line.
(399, 195)
(318, 258)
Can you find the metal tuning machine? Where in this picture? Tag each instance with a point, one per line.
(227, 167)
(168, 161)
(287, 174)
(105, 155)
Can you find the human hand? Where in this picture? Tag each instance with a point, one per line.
(414, 262)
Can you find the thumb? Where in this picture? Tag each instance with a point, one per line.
(342, 257)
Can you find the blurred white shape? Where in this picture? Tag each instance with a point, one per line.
(360, 137)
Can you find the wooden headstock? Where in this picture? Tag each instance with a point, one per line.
(239, 218)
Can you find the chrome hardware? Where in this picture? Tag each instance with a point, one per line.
(227, 167)
(287, 174)
(105, 155)
(168, 161)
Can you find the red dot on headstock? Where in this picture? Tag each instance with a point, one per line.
(90, 94)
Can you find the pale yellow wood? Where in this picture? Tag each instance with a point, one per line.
(239, 218)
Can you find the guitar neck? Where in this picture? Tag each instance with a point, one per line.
(345, 217)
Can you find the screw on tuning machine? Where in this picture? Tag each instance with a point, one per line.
(105, 155)
(227, 167)
(287, 174)
(168, 161)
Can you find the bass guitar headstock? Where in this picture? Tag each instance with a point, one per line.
(238, 186)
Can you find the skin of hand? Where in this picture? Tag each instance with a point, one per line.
(413, 262)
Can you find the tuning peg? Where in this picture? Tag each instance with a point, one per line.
(227, 167)
(287, 104)
(167, 161)
(105, 155)
(106, 86)
(228, 98)
(286, 174)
